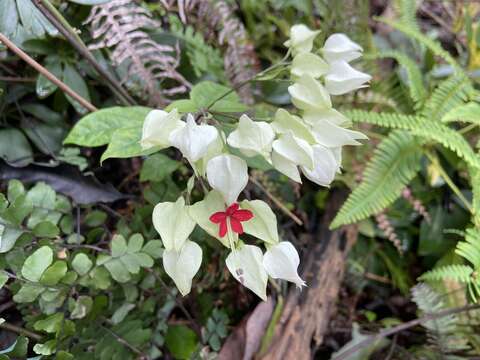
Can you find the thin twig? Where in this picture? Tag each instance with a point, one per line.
(407, 325)
(62, 25)
(86, 104)
(122, 341)
(21, 331)
(277, 202)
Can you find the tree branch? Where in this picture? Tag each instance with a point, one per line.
(64, 87)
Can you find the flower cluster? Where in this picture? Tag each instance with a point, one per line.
(311, 142)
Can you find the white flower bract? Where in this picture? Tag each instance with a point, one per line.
(342, 78)
(281, 262)
(340, 47)
(158, 126)
(193, 140)
(301, 39)
(228, 174)
(252, 137)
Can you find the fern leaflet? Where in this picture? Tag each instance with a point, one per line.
(470, 248)
(395, 162)
(433, 45)
(416, 86)
(450, 93)
(418, 126)
(460, 273)
(469, 112)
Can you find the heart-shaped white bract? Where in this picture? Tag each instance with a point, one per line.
(325, 166)
(308, 64)
(294, 149)
(252, 137)
(158, 126)
(340, 47)
(172, 222)
(281, 262)
(246, 266)
(342, 78)
(309, 94)
(193, 140)
(228, 174)
(182, 265)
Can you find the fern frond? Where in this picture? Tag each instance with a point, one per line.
(204, 58)
(394, 164)
(459, 273)
(432, 45)
(470, 248)
(118, 25)
(443, 332)
(469, 112)
(408, 13)
(451, 93)
(418, 126)
(416, 86)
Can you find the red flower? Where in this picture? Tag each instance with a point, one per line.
(234, 215)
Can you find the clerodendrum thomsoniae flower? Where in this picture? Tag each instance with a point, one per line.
(308, 142)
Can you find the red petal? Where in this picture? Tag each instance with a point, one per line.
(218, 217)
(242, 215)
(222, 229)
(232, 208)
(236, 226)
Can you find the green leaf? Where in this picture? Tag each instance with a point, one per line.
(181, 341)
(158, 166)
(125, 143)
(121, 313)
(119, 246)
(394, 164)
(15, 189)
(153, 248)
(8, 237)
(50, 324)
(46, 229)
(28, 293)
(15, 148)
(18, 349)
(207, 93)
(183, 106)
(45, 87)
(54, 273)
(82, 307)
(95, 218)
(118, 270)
(33, 20)
(3, 278)
(82, 264)
(75, 81)
(97, 128)
(46, 349)
(37, 263)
